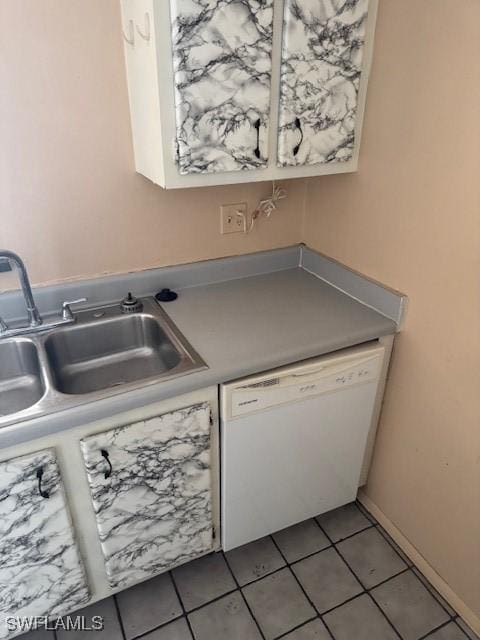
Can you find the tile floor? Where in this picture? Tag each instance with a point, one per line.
(338, 576)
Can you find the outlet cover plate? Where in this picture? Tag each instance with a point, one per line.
(230, 220)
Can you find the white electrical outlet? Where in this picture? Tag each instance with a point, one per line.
(231, 218)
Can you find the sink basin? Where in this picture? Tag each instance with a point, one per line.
(91, 357)
(114, 351)
(104, 352)
(21, 384)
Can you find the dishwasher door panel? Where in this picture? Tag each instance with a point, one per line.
(292, 462)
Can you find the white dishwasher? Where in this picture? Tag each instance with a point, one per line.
(293, 441)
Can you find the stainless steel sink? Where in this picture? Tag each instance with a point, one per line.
(21, 381)
(104, 353)
(119, 350)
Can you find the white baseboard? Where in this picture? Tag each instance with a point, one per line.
(422, 565)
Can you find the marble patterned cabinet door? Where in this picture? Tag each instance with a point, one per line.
(323, 43)
(151, 487)
(41, 573)
(222, 69)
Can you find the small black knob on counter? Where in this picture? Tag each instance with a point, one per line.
(166, 295)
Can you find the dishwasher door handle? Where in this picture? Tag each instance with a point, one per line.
(308, 373)
(334, 366)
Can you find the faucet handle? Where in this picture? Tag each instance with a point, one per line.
(66, 311)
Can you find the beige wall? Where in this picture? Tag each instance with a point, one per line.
(70, 201)
(411, 218)
(71, 204)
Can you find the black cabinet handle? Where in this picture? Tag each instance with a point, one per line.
(42, 492)
(108, 472)
(298, 125)
(257, 127)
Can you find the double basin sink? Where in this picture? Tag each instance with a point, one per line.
(102, 353)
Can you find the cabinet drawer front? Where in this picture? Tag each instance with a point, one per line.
(40, 568)
(222, 69)
(323, 43)
(151, 490)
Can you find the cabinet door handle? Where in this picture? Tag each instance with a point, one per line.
(42, 492)
(298, 125)
(108, 472)
(257, 127)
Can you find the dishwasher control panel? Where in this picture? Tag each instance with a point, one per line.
(324, 375)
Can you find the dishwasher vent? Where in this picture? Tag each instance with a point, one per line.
(261, 385)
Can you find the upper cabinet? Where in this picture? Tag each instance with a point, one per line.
(228, 91)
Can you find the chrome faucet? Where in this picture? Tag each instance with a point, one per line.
(35, 321)
(34, 317)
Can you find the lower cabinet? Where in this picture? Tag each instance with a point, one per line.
(151, 486)
(41, 572)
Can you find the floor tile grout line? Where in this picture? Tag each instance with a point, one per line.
(329, 631)
(364, 511)
(462, 630)
(392, 542)
(247, 584)
(324, 531)
(287, 563)
(269, 573)
(350, 535)
(296, 561)
(440, 626)
(185, 615)
(432, 591)
(430, 588)
(369, 589)
(378, 584)
(216, 599)
(363, 586)
(349, 568)
(382, 612)
(119, 615)
(159, 626)
(380, 529)
(364, 589)
(242, 595)
(382, 582)
(299, 626)
(299, 583)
